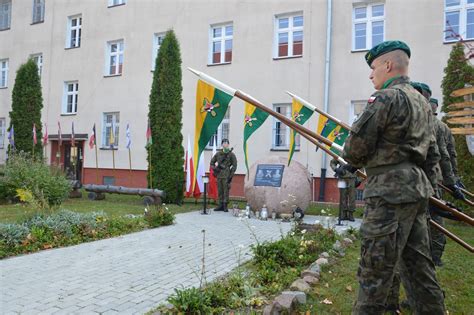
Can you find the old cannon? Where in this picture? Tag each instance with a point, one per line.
(151, 196)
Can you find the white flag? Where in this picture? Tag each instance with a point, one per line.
(128, 136)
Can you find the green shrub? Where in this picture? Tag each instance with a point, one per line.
(159, 216)
(191, 301)
(45, 183)
(13, 234)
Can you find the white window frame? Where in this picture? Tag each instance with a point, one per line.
(157, 41)
(353, 112)
(5, 18)
(38, 7)
(106, 125)
(114, 3)
(78, 31)
(225, 123)
(38, 59)
(368, 20)
(109, 54)
(3, 73)
(462, 8)
(285, 127)
(75, 97)
(290, 30)
(222, 39)
(3, 130)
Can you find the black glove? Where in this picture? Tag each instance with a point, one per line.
(345, 168)
(460, 184)
(456, 192)
(358, 182)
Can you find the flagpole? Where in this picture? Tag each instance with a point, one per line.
(314, 108)
(113, 161)
(149, 166)
(96, 166)
(130, 162)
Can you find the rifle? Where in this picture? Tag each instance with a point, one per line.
(217, 169)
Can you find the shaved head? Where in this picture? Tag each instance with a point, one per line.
(387, 66)
(399, 60)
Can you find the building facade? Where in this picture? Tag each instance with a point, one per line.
(96, 61)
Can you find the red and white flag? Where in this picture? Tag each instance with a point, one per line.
(212, 179)
(45, 136)
(199, 187)
(92, 141)
(35, 140)
(189, 169)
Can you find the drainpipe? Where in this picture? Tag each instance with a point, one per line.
(322, 185)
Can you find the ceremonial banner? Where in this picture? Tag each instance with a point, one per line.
(253, 119)
(299, 114)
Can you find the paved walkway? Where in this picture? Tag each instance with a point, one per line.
(131, 274)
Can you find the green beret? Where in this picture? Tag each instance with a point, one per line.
(386, 47)
(434, 101)
(421, 87)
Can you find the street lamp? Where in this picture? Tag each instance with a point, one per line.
(205, 180)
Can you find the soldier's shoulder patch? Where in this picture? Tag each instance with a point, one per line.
(372, 99)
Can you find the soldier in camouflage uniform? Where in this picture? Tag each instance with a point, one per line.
(391, 139)
(224, 164)
(347, 194)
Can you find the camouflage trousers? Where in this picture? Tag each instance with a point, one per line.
(223, 189)
(394, 234)
(438, 239)
(347, 197)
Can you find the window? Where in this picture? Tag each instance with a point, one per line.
(2, 133)
(222, 131)
(157, 40)
(71, 90)
(458, 20)
(281, 132)
(288, 36)
(111, 124)
(38, 59)
(368, 27)
(3, 73)
(357, 107)
(220, 43)
(38, 11)
(74, 31)
(114, 58)
(5, 14)
(113, 3)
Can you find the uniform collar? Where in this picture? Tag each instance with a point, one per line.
(395, 80)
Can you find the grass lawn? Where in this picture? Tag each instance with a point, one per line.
(456, 278)
(329, 209)
(114, 205)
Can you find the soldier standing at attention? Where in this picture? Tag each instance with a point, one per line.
(347, 194)
(224, 164)
(391, 139)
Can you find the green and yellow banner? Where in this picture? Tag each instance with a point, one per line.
(253, 119)
(332, 131)
(211, 106)
(299, 114)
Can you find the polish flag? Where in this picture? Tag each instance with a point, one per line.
(189, 169)
(212, 189)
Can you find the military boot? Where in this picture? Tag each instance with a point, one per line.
(220, 208)
(350, 216)
(225, 207)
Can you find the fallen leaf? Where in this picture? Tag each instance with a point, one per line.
(349, 288)
(47, 246)
(327, 285)
(326, 301)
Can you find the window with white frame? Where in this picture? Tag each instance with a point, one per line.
(220, 43)
(70, 98)
(368, 27)
(2, 132)
(222, 131)
(357, 107)
(281, 132)
(38, 59)
(74, 31)
(113, 3)
(114, 57)
(3, 73)
(458, 20)
(5, 14)
(288, 35)
(110, 126)
(38, 11)
(157, 40)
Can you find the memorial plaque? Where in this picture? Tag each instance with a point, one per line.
(269, 175)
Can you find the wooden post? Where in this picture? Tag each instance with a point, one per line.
(130, 163)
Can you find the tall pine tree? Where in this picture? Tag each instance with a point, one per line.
(27, 103)
(165, 116)
(458, 73)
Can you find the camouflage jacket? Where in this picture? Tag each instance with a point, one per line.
(447, 175)
(394, 130)
(225, 163)
(451, 147)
